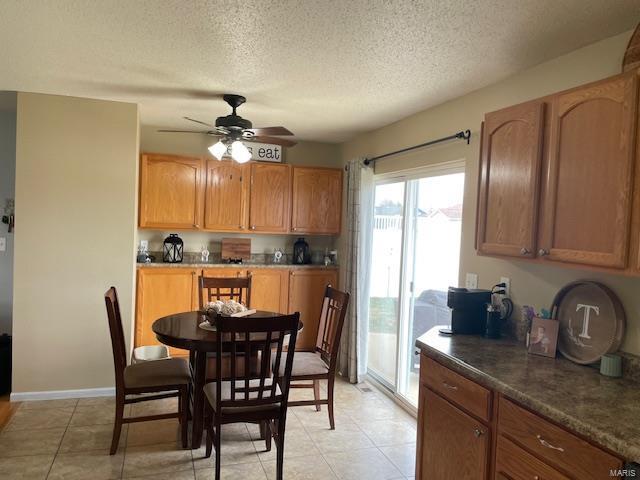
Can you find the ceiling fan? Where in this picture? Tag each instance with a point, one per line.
(233, 130)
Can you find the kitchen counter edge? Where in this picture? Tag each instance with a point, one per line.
(602, 431)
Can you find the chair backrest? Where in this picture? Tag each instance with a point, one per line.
(334, 310)
(117, 336)
(225, 288)
(248, 335)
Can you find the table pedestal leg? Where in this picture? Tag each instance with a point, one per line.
(199, 377)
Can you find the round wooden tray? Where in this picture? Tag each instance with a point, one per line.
(592, 321)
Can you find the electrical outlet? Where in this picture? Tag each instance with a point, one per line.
(144, 244)
(3, 244)
(471, 280)
(507, 283)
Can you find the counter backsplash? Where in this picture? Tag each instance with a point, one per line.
(215, 258)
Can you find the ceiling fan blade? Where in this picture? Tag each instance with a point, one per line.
(274, 140)
(184, 131)
(198, 121)
(270, 131)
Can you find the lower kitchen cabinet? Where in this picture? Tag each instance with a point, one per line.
(161, 292)
(306, 293)
(269, 289)
(165, 291)
(456, 441)
(453, 445)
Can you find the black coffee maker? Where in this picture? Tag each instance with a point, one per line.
(468, 310)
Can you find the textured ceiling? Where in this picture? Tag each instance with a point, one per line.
(325, 69)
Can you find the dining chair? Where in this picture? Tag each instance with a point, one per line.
(244, 398)
(225, 288)
(322, 362)
(164, 378)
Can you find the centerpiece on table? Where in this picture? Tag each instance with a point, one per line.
(228, 308)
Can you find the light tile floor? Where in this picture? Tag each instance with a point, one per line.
(374, 439)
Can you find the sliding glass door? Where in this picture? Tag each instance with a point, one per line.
(415, 258)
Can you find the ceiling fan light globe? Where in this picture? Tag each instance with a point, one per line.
(239, 152)
(218, 149)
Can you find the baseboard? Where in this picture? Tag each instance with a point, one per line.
(61, 394)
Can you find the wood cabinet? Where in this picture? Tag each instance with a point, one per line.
(226, 204)
(458, 439)
(510, 179)
(187, 193)
(166, 290)
(582, 202)
(161, 292)
(306, 291)
(270, 289)
(316, 200)
(454, 446)
(270, 198)
(170, 192)
(587, 207)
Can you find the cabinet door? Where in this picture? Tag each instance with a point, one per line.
(161, 292)
(270, 289)
(510, 180)
(306, 294)
(316, 200)
(589, 182)
(269, 206)
(170, 192)
(226, 196)
(452, 445)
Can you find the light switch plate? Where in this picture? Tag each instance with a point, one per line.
(3, 244)
(471, 280)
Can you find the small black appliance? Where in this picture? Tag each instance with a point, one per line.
(172, 249)
(301, 253)
(468, 310)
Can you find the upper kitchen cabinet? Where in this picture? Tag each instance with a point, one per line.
(270, 198)
(511, 155)
(170, 191)
(587, 204)
(226, 204)
(316, 200)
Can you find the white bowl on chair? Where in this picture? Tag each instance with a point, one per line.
(149, 353)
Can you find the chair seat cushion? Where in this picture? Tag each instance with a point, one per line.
(157, 373)
(225, 390)
(307, 363)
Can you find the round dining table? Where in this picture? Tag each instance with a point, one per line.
(183, 330)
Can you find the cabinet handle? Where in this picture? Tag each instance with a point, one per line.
(543, 252)
(450, 387)
(525, 251)
(241, 227)
(546, 444)
(478, 433)
(253, 227)
(295, 229)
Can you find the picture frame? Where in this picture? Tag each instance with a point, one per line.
(543, 337)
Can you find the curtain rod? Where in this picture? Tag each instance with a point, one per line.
(466, 135)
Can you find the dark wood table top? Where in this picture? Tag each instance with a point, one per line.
(182, 330)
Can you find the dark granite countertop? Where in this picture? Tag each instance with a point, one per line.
(603, 409)
(233, 265)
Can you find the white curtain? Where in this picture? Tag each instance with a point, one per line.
(356, 263)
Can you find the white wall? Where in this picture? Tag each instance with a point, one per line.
(76, 182)
(7, 191)
(532, 284)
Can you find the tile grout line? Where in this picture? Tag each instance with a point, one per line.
(62, 439)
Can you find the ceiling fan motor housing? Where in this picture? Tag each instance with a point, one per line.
(233, 122)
